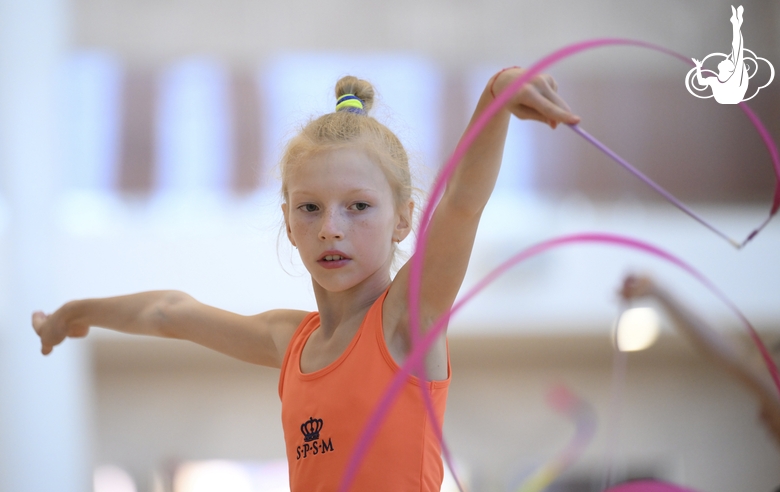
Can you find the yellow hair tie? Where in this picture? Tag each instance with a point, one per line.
(350, 102)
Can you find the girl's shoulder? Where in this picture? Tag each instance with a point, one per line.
(267, 335)
(291, 318)
(285, 322)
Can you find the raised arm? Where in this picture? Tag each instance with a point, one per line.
(475, 177)
(259, 339)
(454, 223)
(715, 347)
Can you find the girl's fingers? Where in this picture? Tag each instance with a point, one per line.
(549, 109)
(551, 94)
(529, 113)
(49, 335)
(552, 83)
(37, 321)
(541, 99)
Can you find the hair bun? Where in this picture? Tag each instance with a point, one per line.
(360, 88)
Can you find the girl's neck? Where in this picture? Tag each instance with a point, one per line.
(348, 306)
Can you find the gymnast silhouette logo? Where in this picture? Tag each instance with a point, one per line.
(312, 444)
(735, 70)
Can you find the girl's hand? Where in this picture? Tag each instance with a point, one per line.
(636, 286)
(54, 328)
(536, 100)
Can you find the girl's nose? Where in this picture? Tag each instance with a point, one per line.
(331, 226)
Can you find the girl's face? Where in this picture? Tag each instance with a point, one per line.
(341, 200)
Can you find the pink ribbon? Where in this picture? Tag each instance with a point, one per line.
(417, 354)
(420, 345)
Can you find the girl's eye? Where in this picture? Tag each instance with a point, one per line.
(361, 206)
(309, 207)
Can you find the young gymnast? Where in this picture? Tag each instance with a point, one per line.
(716, 348)
(346, 193)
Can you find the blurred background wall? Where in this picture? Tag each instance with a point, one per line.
(138, 141)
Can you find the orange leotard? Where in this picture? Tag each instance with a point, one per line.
(324, 412)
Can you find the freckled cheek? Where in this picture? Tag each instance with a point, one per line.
(370, 228)
(378, 234)
(302, 229)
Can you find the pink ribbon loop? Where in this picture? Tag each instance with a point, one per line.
(421, 344)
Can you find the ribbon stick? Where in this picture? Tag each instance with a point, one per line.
(415, 277)
(671, 198)
(768, 142)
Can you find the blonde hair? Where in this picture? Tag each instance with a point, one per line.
(348, 128)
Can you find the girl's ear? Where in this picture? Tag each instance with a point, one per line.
(287, 224)
(404, 226)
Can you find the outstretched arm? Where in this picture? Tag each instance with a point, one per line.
(454, 223)
(715, 347)
(172, 314)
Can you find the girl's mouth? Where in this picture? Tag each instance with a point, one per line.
(333, 260)
(333, 263)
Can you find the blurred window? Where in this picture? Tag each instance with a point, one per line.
(91, 120)
(193, 127)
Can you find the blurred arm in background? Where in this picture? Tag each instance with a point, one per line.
(717, 348)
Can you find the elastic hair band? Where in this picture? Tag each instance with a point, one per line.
(351, 103)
